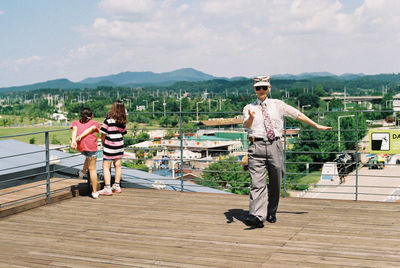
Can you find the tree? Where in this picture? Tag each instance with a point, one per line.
(309, 99)
(336, 104)
(128, 140)
(142, 136)
(319, 91)
(226, 174)
(169, 135)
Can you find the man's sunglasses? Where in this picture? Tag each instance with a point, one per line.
(264, 88)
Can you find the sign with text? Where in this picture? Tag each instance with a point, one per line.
(384, 141)
(329, 171)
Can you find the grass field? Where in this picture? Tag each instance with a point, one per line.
(310, 179)
(40, 125)
(58, 137)
(15, 119)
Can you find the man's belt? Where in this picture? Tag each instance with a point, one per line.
(254, 139)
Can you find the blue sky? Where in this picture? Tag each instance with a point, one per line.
(49, 39)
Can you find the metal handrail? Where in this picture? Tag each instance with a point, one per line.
(224, 184)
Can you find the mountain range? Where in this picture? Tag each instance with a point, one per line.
(143, 79)
(124, 79)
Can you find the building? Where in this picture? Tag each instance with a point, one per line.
(59, 117)
(208, 146)
(222, 122)
(396, 102)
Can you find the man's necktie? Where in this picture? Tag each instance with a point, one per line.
(267, 122)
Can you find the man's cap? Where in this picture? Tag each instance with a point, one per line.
(262, 80)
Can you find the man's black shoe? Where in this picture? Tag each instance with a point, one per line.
(254, 222)
(271, 218)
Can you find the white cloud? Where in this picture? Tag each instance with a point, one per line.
(183, 8)
(380, 16)
(17, 64)
(1, 12)
(28, 60)
(228, 8)
(127, 6)
(238, 37)
(85, 52)
(205, 30)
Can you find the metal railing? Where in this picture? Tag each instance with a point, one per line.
(348, 140)
(202, 162)
(40, 167)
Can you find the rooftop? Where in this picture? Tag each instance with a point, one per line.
(153, 228)
(222, 121)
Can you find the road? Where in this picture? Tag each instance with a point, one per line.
(373, 185)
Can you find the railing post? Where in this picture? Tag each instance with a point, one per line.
(357, 125)
(284, 157)
(181, 146)
(47, 167)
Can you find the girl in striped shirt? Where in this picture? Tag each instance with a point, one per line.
(112, 131)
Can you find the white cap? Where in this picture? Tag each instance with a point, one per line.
(261, 81)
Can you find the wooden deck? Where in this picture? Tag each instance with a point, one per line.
(30, 195)
(153, 228)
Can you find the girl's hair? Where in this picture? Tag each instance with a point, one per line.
(86, 115)
(118, 112)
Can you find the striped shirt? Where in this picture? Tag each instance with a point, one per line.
(114, 141)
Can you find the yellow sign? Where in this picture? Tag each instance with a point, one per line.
(384, 141)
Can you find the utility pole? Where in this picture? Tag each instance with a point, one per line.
(153, 107)
(180, 100)
(197, 110)
(165, 105)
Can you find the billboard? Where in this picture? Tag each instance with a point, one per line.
(384, 141)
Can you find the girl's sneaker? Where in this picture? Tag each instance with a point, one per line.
(116, 188)
(105, 191)
(95, 195)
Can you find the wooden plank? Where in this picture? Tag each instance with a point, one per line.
(151, 228)
(32, 195)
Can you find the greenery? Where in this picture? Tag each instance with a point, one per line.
(310, 179)
(161, 107)
(317, 147)
(226, 174)
(136, 164)
(54, 140)
(63, 137)
(225, 98)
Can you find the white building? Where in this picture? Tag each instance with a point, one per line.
(396, 103)
(59, 117)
